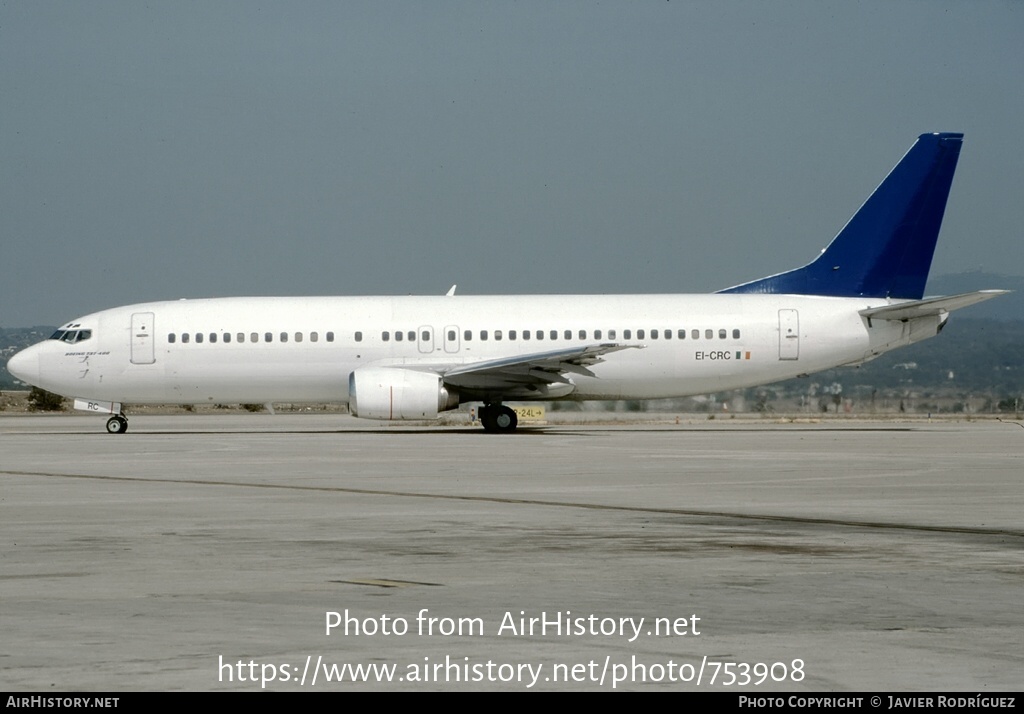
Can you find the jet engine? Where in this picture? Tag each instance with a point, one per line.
(397, 393)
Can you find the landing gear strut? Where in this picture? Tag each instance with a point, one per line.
(117, 424)
(498, 419)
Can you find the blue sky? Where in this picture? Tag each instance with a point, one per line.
(195, 149)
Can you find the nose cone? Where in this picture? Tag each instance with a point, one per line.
(25, 365)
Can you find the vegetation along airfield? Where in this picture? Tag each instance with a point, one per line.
(203, 552)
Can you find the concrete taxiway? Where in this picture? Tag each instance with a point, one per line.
(206, 552)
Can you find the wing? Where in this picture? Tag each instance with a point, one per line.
(537, 369)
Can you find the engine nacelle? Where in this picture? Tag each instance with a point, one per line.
(397, 393)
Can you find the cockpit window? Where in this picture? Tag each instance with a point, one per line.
(71, 336)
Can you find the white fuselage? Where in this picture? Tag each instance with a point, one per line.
(260, 350)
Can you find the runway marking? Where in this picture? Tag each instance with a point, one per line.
(540, 502)
(383, 583)
(33, 576)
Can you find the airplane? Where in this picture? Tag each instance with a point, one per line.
(413, 357)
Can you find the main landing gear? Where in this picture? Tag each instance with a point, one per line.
(498, 419)
(117, 424)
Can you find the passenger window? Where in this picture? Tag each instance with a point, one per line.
(735, 334)
(526, 334)
(597, 334)
(668, 334)
(639, 334)
(654, 334)
(284, 337)
(497, 335)
(611, 334)
(268, 337)
(540, 334)
(467, 335)
(227, 337)
(184, 338)
(385, 336)
(240, 337)
(412, 335)
(399, 336)
(511, 334)
(451, 335)
(627, 334)
(709, 334)
(314, 336)
(254, 337)
(721, 334)
(425, 336)
(681, 334)
(583, 334)
(330, 337)
(171, 337)
(213, 337)
(553, 334)
(199, 337)
(359, 337)
(483, 334)
(298, 337)
(567, 334)
(695, 334)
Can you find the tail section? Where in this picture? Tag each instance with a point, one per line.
(886, 249)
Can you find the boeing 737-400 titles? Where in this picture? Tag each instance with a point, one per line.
(414, 357)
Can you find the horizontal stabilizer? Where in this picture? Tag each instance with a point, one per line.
(929, 306)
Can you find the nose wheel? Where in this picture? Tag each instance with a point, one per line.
(117, 425)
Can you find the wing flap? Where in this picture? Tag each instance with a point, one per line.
(536, 368)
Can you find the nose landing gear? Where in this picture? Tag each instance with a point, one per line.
(117, 424)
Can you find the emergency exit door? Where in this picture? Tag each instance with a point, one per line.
(142, 338)
(789, 334)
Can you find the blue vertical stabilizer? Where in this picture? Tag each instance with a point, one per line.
(886, 249)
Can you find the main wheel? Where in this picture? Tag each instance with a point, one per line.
(117, 425)
(506, 419)
(498, 419)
